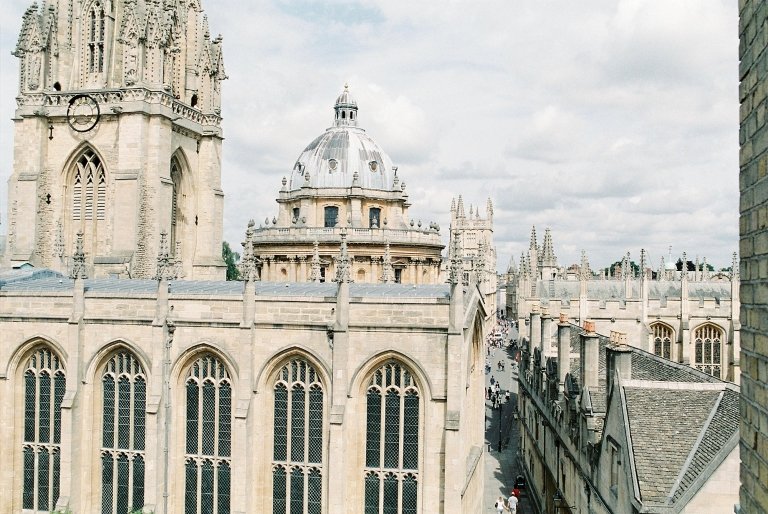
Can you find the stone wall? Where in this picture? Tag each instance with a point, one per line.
(753, 184)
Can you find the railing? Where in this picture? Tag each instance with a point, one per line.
(117, 96)
(354, 235)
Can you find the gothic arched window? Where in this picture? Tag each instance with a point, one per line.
(124, 401)
(44, 385)
(708, 349)
(662, 340)
(392, 442)
(297, 457)
(89, 187)
(208, 458)
(96, 28)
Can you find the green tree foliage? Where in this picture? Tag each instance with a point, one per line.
(230, 258)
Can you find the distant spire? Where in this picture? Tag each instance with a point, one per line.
(511, 268)
(735, 267)
(643, 264)
(388, 274)
(524, 269)
(460, 208)
(480, 263)
(343, 272)
(248, 263)
(78, 259)
(314, 274)
(684, 267)
(548, 258)
(489, 209)
(534, 244)
(662, 270)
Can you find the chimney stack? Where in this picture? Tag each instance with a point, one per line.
(546, 332)
(535, 332)
(618, 358)
(590, 356)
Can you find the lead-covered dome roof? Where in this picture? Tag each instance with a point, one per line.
(343, 150)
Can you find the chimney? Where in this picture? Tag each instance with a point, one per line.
(618, 358)
(590, 356)
(563, 350)
(546, 332)
(535, 328)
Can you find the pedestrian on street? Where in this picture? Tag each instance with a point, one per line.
(506, 396)
(500, 505)
(512, 502)
(493, 380)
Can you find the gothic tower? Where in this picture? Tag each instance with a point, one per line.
(117, 135)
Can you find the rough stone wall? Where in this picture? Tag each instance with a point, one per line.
(753, 228)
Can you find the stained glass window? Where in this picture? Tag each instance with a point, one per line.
(123, 429)
(208, 425)
(44, 383)
(392, 442)
(297, 472)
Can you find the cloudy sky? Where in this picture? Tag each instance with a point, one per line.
(613, 122)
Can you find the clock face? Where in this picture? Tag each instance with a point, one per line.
(83, 113)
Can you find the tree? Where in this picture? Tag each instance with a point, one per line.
(230, 258)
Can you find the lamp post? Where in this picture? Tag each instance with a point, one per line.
(560, 503)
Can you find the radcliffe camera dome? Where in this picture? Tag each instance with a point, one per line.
(343, 150)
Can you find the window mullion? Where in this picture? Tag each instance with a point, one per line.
(37, 414)
(401, 430)
(200, 423)
(216, 422)
(383, 425)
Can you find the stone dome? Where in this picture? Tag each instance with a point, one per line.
(343, 150)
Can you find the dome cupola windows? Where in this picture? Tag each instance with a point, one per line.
(346, 109)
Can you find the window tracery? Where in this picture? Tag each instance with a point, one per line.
(96, 20)
(44, 386)
(297, 459)
(391, 470)
(208, 460)
(124, 398)
(89, 187)
(708, 349)
(662, 340)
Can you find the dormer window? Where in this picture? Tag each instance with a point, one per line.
(374, 166)
(332, 164)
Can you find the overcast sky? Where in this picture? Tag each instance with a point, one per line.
(613, 122)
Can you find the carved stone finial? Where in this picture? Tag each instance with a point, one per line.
(58, 246)
(388, 274)
(480, 262)
(584, 273)
(166, 267)
(456, 273)
(684, 267)
(643, 264)
(315, 274)
(735, 266)
(343, 273)
(249, 262)
(78, 259)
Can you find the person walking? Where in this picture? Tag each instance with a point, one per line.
(512, 503)
(500, 505)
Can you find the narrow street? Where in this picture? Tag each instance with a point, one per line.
(501, 464)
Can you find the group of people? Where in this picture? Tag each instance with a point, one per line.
(509, 504)
(493, 393)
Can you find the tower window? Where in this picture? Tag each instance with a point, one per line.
(96, 36)
(708, 349)
(89, 170)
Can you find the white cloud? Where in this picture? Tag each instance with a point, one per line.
(612, 121)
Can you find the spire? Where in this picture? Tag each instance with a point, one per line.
(345, 109)
(78, 259)
(314, 274)
(735, 267)
(489, 209)
(534, 243)
(166, 269)
(457, 268)
(460, 208)
(511, 268)
(548, 252)
(248, 263)
(388, 274)
(343, 274)
(684, 267)
(642, 263)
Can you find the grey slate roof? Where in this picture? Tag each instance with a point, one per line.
(661, 442)
(47, 281)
